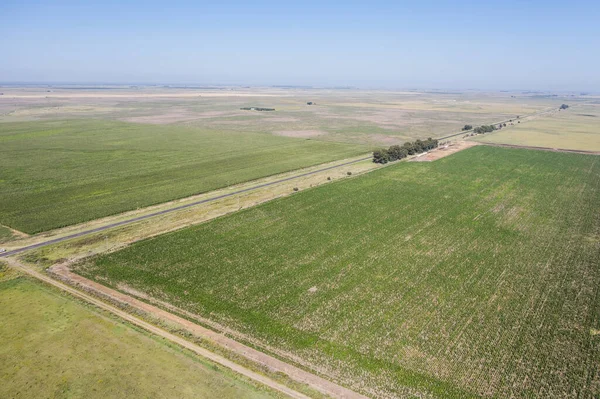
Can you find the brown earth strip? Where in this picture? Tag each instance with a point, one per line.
(444, 151)
(320, 384)
(158, 331)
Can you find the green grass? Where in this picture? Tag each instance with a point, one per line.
(5, 234)
(576, 128)
(476, 274)
(55, 347)
(60, 173)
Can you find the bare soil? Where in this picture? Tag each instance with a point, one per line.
(444, 151)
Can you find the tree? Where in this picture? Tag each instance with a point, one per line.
(410, 148)
(381, 156)
(467, 127)
(419, 146)
(564, 106)
(396, 152)
(430, 144)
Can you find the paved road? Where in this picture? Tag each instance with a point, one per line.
(165, 211)
(137, 219)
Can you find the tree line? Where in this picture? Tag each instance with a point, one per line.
(484, 129)
(397, 152)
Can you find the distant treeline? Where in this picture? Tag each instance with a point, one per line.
(397, 152)
(257, 109)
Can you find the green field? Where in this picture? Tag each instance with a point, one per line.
(58, 173)
(371, 117)
(54, 347)
(577, 128)
(473, 275)
(5, 234)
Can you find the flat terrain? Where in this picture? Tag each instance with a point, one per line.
(372, 117)
(58, 173)
(577, 128)
(476, 274)
(53, 346)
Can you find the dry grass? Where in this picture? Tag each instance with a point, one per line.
(577, 128)
(365, 116)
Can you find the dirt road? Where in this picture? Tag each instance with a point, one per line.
(324, 386)
(320, 384)
(275, 365)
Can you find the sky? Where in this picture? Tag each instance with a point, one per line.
(461, 44)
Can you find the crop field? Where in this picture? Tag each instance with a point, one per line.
(472, 276)
(5, 234)
(577, 128)
(55, 347)
(371, 117)
(58, 173)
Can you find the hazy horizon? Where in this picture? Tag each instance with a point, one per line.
(499, 45)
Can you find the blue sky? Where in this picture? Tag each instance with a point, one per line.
(543, 45)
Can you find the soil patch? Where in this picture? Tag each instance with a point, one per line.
(444, 151)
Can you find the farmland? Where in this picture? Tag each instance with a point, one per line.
(474, 275)
(5, 234)
(53, 346)
(576, 128)
(58, 173)
(370, 117)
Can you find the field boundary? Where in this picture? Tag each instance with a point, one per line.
(158, 331)
(275, 365)
(15, 232)
(175, 209)
(530, 147)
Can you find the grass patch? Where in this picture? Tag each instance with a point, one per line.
(5, 234)
(53, 346)
(473, 275)
(58, 173)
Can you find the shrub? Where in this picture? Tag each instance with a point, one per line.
(467, 127)
(295, 188)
